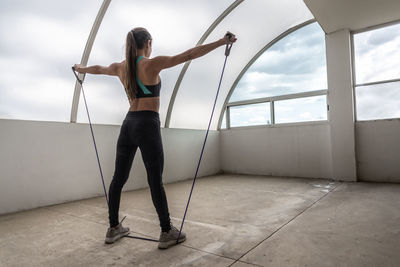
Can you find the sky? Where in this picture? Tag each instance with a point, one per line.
(40, 40)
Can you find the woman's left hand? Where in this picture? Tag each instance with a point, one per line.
(232, 37)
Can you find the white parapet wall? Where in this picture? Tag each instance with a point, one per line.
(44, 163)
(378, 150)
(292, 150)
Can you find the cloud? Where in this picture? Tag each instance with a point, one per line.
(257, 114)
(301, 109)
(54, 10)
(306, 115)
(378, 101)
(377, 54)
(298, 53)
(40, 41)
(34, 100)
(381, 36)
(379, 63)
(258, 85)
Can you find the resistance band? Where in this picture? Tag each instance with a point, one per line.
(227, 52)
(91, 130)
(97, 155)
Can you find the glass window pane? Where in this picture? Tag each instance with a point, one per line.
(296, 63)
(301, 109)
(250, 115)
(40, 41)
(381, 101)
(377, 54)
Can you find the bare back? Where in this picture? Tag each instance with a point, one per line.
(148, 77)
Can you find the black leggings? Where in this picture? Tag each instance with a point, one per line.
(140, 129)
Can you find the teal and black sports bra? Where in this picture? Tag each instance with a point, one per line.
(146, 90)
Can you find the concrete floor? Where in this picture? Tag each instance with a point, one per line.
(232, 221)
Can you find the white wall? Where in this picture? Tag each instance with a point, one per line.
(378, 150)
(293, 150)
(44, 163)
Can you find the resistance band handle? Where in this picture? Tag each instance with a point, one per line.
(76, 75)
(228, 37)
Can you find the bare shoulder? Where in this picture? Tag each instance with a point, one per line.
(120, 70)
(159, 63)
(150, 65)
(116, 68)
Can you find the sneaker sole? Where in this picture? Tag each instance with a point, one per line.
(111, 240)
(170, 243)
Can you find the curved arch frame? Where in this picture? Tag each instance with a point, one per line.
(256, 56)
(85, 57)
(96, 26)
(186, 66)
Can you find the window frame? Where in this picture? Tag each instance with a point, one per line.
(353, 68)
(239, 104)
(272, 100)
(226, 107)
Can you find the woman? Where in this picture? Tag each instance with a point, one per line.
(139, 74)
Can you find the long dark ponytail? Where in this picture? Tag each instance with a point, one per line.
(135, 39)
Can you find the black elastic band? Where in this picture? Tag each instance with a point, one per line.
(142, 238)
(227, 51)
(91, 130)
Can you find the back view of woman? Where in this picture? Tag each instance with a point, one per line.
(139, 75)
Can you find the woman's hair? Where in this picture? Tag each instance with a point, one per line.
(136, 39)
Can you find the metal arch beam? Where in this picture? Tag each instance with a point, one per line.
(186, 65)
(282, 35)
(85, 57)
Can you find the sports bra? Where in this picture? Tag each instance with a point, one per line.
(146, 90)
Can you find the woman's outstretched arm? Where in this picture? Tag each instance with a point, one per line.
(163, 62)
(112, 69)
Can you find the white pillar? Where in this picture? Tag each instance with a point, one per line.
(341, 111)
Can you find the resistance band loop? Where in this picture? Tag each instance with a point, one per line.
(227, 52)
(97, 155)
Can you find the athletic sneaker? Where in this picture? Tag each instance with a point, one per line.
(115, 233)
(168, 239)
